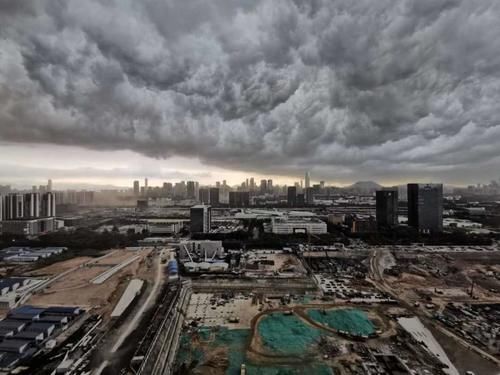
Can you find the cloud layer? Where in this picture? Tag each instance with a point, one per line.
(347, 88)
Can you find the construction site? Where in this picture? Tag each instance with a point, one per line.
(95, 284)
(343, 312)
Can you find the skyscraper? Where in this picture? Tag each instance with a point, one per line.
(214, 196)
(309, 196)
(387, 208)
(263, 187)
(190, 188)
(201, 219)
(137, 188)
(292, 196)
(308, 180)
(269, 186)
(425, 207)
(49, 185)
(203, 195)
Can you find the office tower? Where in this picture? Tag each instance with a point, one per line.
(263, 186)
(269, 186)
(31, 205)
(309, 196)
(322, 184)
(387, 208)
(300, 200)
(292, 196)
(204, 195)
(49, 185)
(252, 184)
(217, 184)
(201, 218)
(34, 189)
(214, 196)
(168, 189)
(308, 180)
(1, 208)
(247, 183)
(190, 188)
(137, 188)
(425, 207)
(224, 183)
(42, 189)
(239, 199)
(180, 190)
(48, 205)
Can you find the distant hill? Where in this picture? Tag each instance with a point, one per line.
(367, 186)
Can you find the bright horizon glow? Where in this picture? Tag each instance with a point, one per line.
(72, 166)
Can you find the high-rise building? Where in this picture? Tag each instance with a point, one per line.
(387, 208)
(425, 207)
(214, 196)
(190, 189)
(309, 196)
(167, 189)
(201, 218)
(239, 199)
(252, 184)
(48, 205)
(292, 196)
(13, 207)
(31, 205)
(308, 180)
(204, 195)
(269, 186)
(49, 185)
(137, 188)
(263, 187)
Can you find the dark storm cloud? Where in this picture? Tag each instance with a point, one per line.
(367, 89)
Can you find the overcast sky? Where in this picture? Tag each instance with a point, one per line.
(107, 91)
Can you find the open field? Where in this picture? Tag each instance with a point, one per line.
(76, 287)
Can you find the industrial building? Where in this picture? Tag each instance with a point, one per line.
(26, 328)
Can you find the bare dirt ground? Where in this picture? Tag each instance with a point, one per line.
(76, 288)
(59, 267)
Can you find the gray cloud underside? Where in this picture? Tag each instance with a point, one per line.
(374, 88)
